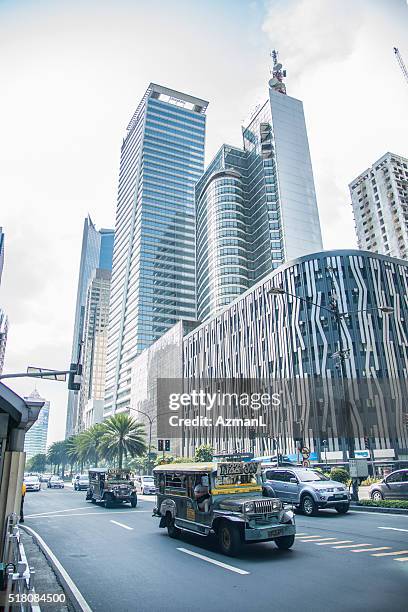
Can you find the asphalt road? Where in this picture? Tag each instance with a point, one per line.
(120, 560)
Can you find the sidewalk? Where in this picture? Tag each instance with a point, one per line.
(45, 581)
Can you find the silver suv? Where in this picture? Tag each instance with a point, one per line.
(306, 489)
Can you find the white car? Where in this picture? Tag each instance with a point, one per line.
(32, 483)
(145, 485)
(55, 482)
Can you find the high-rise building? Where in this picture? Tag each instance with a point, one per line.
(95, 338)
(153, 273)
(36, 437)
(3, 337)
(96, 252)
(256, 207)
(3, 316)
(1, 252)
(379, 197)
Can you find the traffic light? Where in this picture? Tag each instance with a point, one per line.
(167, 445)
(160, 445)
(367, 443)
(74, 377)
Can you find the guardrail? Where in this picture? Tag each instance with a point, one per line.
(18, 588)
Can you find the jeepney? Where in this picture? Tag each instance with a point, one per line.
(111, 487)
(222, 498)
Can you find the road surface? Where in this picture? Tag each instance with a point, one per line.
(120, 560)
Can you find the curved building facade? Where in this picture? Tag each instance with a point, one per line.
(222, 257)
(292, 335)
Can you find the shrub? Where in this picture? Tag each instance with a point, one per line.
(369, 481)
(340, 474)
(204, 452)
(384, 503)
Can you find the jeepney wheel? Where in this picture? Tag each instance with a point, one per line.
(229, 539)
(107, 502)
(285, 542)
(172, 530)
(133, 501)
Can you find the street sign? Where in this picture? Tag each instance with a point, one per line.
(305, 452)
(358, 468)
(306, 463)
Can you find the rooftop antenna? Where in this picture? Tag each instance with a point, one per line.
(401, 63)
(278, 74)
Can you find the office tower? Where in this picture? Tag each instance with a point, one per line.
(95, 337)
(1, 252)
(379, 197)
(153, 273)
(3, 337)
(256, 206)
(96, 253)
(36, 437)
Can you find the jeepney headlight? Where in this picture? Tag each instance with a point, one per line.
(277, 504)
(249, 507)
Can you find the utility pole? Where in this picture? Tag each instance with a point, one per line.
(401, 63)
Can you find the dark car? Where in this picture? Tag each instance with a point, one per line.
(55, 482)
(393, 486)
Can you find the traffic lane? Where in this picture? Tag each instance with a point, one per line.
(52, 499)
(146, 566)
(357, 525)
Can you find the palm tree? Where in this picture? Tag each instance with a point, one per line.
(89, 442)
(74, 452)
(58, 455)
(122, 437)
(37, 463)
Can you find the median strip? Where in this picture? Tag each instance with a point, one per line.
(122, 525)
(231, 568)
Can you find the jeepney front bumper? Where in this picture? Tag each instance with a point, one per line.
(269, 532)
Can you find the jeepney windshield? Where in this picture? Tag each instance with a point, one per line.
(237, 474)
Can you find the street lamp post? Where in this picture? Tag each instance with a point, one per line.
(342, 354)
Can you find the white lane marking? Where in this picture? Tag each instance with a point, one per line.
(302, 534)
(352, 546)
(231, 568)
(55, 512)
(122, 525)
(81, 514)
(393, 529)
(395, 552)
(375, 514)
(331, 543)
(318, 540)
(370, 550)
(310, 537)
(74, 589)
(402, 559)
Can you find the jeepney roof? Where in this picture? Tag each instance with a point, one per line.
(98, 470)
(186, 467)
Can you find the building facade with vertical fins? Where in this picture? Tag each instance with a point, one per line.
(279, 339)
(153, 274)
(256, 207)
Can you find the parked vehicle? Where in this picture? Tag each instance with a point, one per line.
(81, 482)
(306, 489)
(393, 486)
(32, 483)
(45, 477)
(111, 487)
(145, 485)
(55, 482)
(222, 498)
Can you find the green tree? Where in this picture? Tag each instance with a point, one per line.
(340, 475)
(205, 452)
(37, 463)
(122, 437)
(57, 455)
(89, 444)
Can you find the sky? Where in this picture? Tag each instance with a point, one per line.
(71, 75)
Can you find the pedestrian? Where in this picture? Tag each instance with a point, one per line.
(23, 492)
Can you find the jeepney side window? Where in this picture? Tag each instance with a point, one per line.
(176, 483)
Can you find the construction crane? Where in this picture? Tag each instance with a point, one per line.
(401, 63)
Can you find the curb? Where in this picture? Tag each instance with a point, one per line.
(75, 596)
(378, 509)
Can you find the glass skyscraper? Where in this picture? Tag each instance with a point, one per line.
(96, 253)
(36, 437)
(256, 206)
(153, 273)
